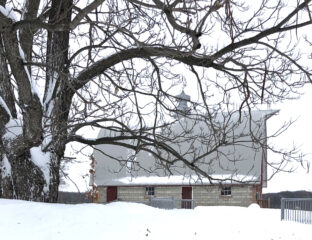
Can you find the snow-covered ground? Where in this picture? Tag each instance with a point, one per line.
(21, 220)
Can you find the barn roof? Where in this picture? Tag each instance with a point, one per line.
(240, 161)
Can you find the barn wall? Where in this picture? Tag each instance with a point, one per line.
(102, 191)
(170, 191)
(131, 194)
(211, 196)
(202, 195)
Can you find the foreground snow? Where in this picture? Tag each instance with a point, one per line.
(21, 220)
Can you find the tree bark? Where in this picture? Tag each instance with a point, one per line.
(56, 80)
(21, 177)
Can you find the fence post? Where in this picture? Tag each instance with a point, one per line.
(282, 208)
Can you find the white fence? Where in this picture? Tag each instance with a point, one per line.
(297, 209)
(171, 203)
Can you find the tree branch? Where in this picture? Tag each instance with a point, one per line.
(144, 52)
(84, 12)
(265, 33)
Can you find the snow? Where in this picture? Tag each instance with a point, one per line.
(51, 88)
(42, 160)
(254, 206)
(3, 104)
(13, 129)
(8, 12)
(6, 167)
(47, 137)
(120, 220)
(179, 179)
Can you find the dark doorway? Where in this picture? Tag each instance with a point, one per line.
(187, 197)
(111, 194)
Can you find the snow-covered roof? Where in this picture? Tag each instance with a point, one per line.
(242, 159)
(179, 180)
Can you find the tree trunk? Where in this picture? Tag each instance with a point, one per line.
(29, 166)
(57, 77)
(26, 180)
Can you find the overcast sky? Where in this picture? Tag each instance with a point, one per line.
(298, 134)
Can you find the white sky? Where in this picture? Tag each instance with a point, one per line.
(298, 134)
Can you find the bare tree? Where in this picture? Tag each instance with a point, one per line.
(116, 64)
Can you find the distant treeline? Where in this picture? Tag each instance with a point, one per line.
(275, 198)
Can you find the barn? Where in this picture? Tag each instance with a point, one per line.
(237, 169)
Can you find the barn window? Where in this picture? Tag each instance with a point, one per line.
(226, 191)
(149, 191)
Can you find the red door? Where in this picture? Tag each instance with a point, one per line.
(186, 197)
(111, 194)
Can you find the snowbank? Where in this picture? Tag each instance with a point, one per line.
(32, 221)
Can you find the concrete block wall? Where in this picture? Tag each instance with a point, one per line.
(137, 194)
(202, 195)
(169, 191)
(131, 194)
(211, 196)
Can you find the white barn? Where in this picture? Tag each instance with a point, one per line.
(238, 168)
